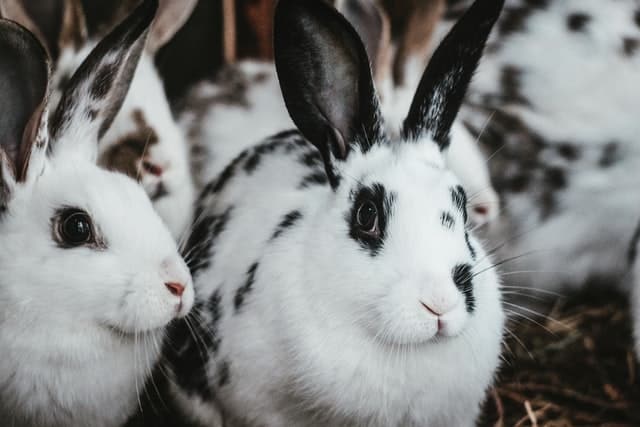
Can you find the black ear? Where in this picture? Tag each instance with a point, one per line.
(24, 80)
(98, 88)
(325, 79)
(447, 77)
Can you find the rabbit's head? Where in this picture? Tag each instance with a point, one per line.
(81, 245)
(391, 243)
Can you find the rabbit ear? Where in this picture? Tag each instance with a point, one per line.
(172, 15)
(15, 11)
(98, 88)
(325, 79)
(24, 87)
(73, 29)
(372, 24)
(413, 25)
(445, 81)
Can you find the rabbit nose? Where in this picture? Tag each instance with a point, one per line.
(176, 289)
(152, 168)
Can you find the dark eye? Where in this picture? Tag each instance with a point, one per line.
(367, 217)
(75, 227)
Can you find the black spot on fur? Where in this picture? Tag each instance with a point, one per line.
(610, 155)
(312, 159)
(384, 205)
(286, 134)
(462, 277)
(103, 81)
(92, 114)
(632, 254)
(187, 355)
(630, 45)
(467, 239)
(199, 248)
(242, 291)
(224, 373)
(568, 151)
(63, 81)
(555, 178)
(510, 81)
(636, 18)
(578, 21)
(225, 176)
(288, 221)
(459, 199)
(517, 183)
(446, 219)
(314, 178)
(252, 162)
(514, 19)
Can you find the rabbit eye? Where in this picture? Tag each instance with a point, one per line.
(76, 228)
(367, 218)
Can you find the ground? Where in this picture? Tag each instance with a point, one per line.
(573, 366)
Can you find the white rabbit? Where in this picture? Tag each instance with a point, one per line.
(144, 140)
(555, 102)
(89, 274)
(337, 279)
(244, 104)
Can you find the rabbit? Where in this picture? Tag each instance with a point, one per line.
(337, 279)
(243, 105)
(554, 103)
(145, 140)
(90, 276)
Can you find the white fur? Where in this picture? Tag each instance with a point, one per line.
(171, 152)
(62, 362)
(582, 89)
(635, 303)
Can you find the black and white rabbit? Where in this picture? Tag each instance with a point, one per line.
(144, 140)
(244, 104)
(89, 274)
(337, 276)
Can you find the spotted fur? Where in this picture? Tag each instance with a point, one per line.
(561, 132)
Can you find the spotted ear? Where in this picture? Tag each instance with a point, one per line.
(96, 91)
(326, 80)
(447, 77)
(24, 87)
(172, 15)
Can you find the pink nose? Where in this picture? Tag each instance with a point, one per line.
(176, 289)
(153, 169)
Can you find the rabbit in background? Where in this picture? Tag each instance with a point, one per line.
(144, 141)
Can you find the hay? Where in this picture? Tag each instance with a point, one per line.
(574, 366)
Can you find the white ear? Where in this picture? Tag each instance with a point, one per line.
(172, 15)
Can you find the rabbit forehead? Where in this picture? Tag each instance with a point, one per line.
(118, 206)
(400, 167)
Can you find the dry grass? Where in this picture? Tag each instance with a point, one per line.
(576, 370)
